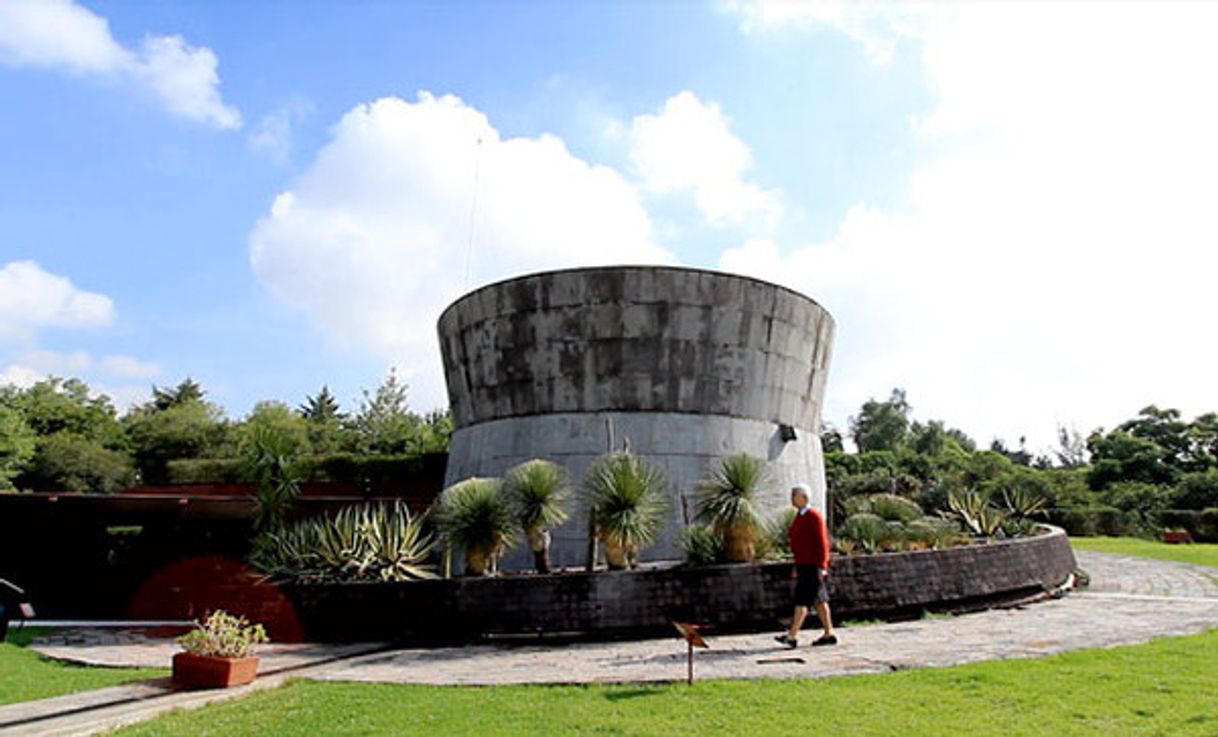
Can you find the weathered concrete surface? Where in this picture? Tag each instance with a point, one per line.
(687, 365)
(682, 445)
(650, 339)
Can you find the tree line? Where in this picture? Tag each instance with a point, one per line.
(57, 435)
(1150, 471)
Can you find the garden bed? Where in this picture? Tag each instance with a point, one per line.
(735, 597)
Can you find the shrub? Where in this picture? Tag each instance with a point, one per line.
(701, 545)
(894, 508)
(67, 462)
(933, 532)
(727, 501)
(1091, 521)
(628, 505)
(365, 542)
(537, 492)
(774, 542)
(474, 515)
(866, 531)
(223, 635)
(1201, 525)
(1197, 491)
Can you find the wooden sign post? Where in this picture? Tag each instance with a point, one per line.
(693, 638)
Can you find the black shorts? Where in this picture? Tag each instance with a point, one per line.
(810, 588)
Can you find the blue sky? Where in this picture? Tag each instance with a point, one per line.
(1005, 208)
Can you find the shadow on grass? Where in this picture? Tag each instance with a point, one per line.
(625, 694)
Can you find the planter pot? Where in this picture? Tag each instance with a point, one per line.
(192, 671)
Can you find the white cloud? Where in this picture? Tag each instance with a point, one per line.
(877, 26)
(128, 367)
(689, 147)
(273, 135)
(20, 376)
(32, 298)
(1056, 264)
(373, 241)
(60, 34)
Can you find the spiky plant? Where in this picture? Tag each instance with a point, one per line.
(368, 542)
(775, 542)
(627, 504)
(727, 501)
(976, 513)
(894, 508)
(474, 516)
(866, 531)
(537, 491)
(701, 545)
(1023, 503)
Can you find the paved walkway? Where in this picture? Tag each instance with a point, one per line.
(1129, 601)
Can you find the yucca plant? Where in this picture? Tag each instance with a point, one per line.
(474, 516)
(627, 504)
(379, 542)
(727, 501)
(537, 491)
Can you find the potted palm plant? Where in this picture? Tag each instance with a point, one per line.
(537, 491)
(727, 501)
(218, 652)
(474, 516)
(628, 506)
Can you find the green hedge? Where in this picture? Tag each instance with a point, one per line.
(1092, 521)
(1203, 525)
(339, 467)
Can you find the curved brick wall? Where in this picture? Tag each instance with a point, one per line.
(730, 597)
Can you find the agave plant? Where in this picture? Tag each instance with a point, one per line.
(1023, 503)
(976, 513)
(727, 501)
(628, 508)
(701, 545)
(474, 515)
(380, 542)
(537, 492)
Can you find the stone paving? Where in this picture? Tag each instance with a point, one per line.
(1129, 601)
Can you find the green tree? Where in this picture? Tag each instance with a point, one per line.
(160, 432)
(17, 443)
(65, 461)
(327, 423)
(56, 405)
(188, 391)
(290, 429)
(384, 423)
(881, 425)
(934, 438)
(1120, 456)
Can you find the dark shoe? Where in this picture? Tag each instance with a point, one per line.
(825, 640)
(787, 640)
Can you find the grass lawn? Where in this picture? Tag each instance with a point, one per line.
(1164, 687)
(1205, 554)
(25, 675)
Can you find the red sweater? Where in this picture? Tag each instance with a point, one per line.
(809, 539)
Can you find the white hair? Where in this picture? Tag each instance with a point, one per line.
(803, 489)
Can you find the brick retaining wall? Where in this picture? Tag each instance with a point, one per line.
(727, 597)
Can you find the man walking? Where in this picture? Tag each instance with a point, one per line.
(810, 545)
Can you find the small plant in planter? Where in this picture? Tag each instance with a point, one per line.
(727, 501)
(628, 506)
(475, 516)
(537, 491)
(219, 652)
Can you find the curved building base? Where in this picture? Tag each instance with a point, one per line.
(683, 445)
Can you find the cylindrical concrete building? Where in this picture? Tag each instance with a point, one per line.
(683, 365)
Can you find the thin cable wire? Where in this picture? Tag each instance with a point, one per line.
(473, 211)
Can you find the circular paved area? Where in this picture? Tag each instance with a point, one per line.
(1130, 600)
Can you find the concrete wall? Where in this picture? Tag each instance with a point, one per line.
(688, 365)
(682, 445)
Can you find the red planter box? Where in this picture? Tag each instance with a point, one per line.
(211, 671)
